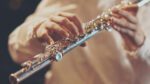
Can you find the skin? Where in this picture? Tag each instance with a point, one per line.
(68, 25)
(126, 23)
(59, 26)
(62, 25)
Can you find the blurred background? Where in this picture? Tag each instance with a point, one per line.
(12, 14)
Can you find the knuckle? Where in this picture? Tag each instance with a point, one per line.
(73, 16)
(44, 24)
(42, 33)
(63, 20)
(50, 25)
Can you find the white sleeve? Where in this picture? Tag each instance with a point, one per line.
(144, 51)
(144, 22)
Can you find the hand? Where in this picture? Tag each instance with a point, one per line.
(56, 28)
(28, 39)
(126, 23)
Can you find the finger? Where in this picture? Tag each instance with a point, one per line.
(56, 32)
(122, 13)
(128, 16)
(114, 10)
(73, 19)
(115, 15)
(43, 36)
(66, 23)
(124, 31)
(132, 8)
(123, 23)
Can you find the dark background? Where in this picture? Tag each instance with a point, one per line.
(12, 14)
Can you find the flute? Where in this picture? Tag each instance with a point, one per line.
(56, 51)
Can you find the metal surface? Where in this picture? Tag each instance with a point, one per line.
(143, 2)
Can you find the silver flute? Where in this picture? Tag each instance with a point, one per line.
(56, 51)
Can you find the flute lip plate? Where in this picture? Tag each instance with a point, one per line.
(13, 79)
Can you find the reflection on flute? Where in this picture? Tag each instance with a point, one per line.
(55, 52)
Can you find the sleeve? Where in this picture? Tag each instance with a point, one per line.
(20, 46)
(19, 43)
(144, 21)
(144, 51)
